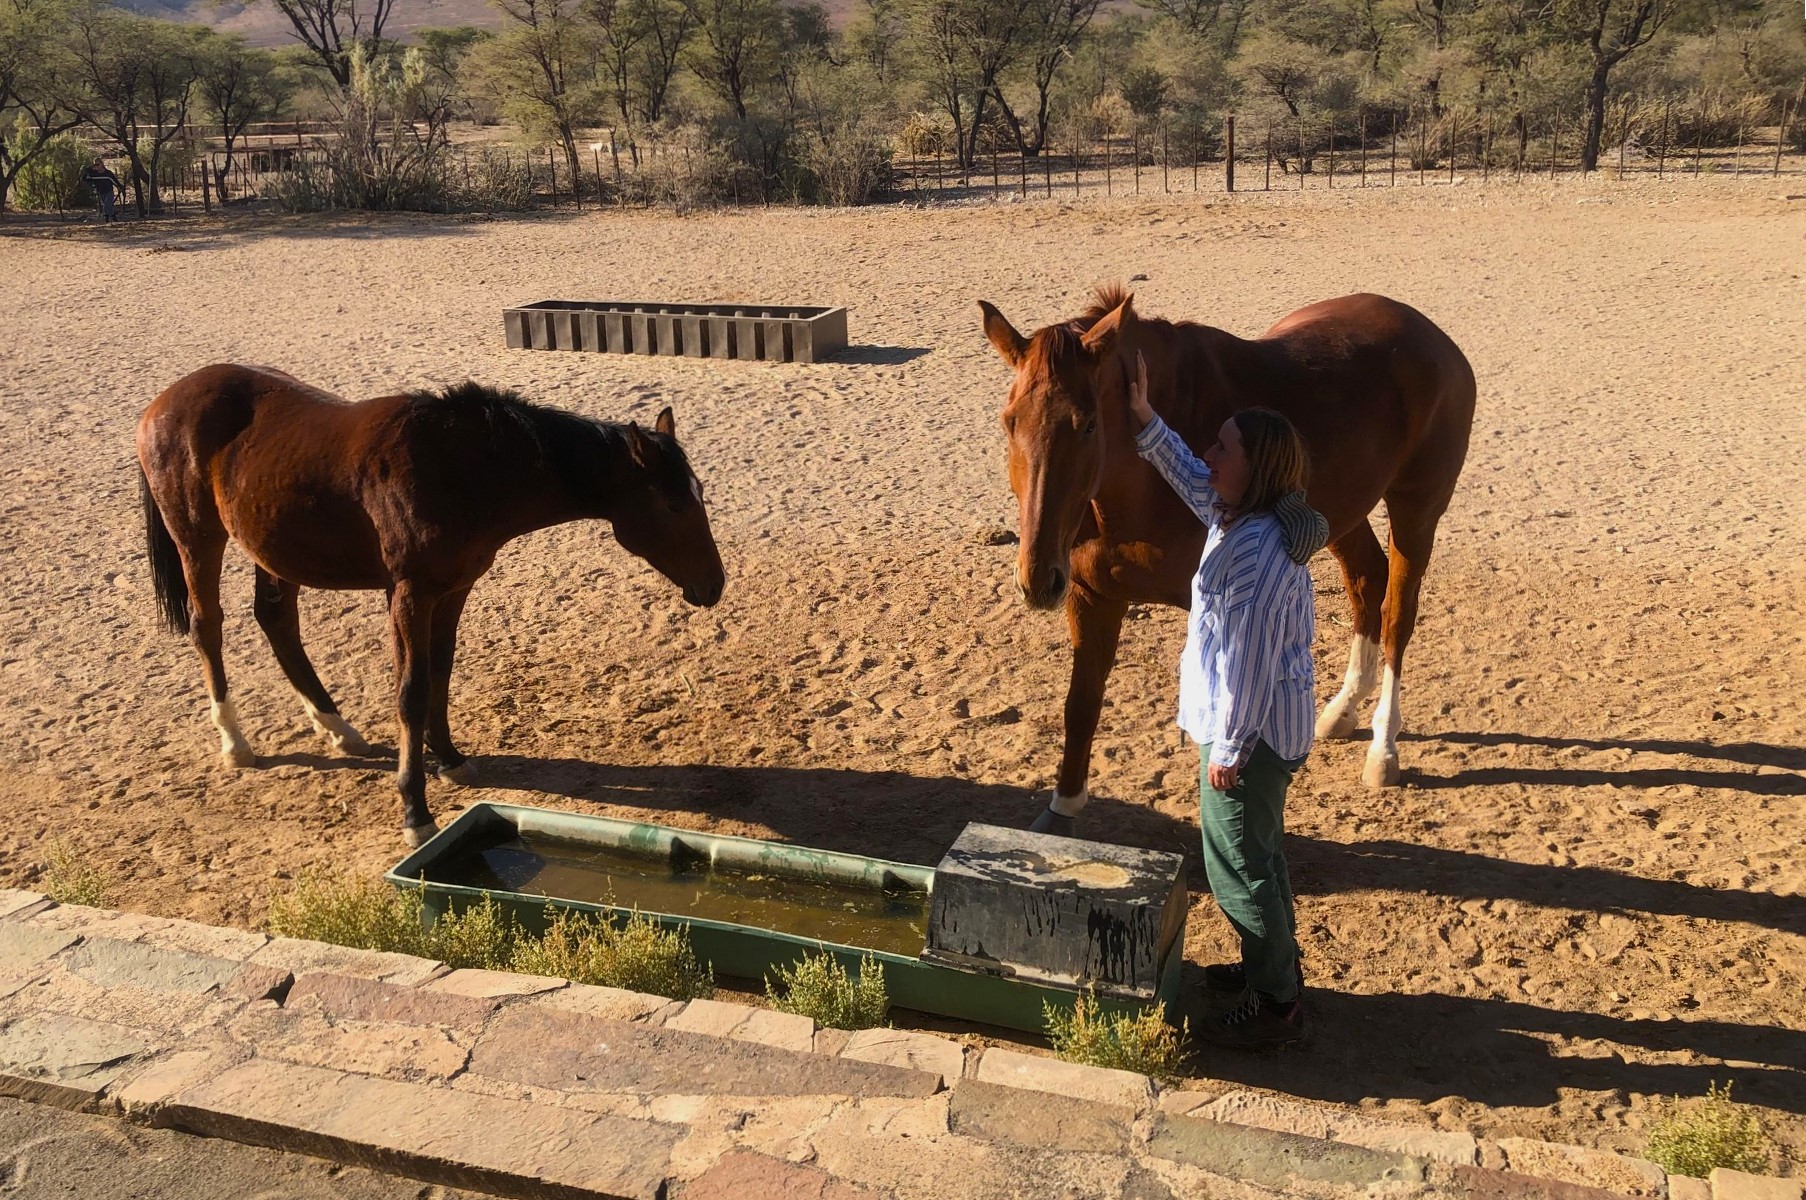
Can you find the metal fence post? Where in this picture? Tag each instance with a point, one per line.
(1229, 152)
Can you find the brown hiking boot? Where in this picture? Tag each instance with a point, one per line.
(1231, 979)
(1257, 1021)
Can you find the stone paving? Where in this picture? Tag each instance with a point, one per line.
(522, 1086)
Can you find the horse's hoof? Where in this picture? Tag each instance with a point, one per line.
(462, 775)
(240, 755)
(339, 732)
(417, 836)
(1052, 822)
(1337, 725)
(1381, 771)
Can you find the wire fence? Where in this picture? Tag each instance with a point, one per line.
(1160, 158)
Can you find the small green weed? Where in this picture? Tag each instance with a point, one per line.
(1143, 1042)
(639, 956)
(71, 878)
(1713, 1132)
(819, 986)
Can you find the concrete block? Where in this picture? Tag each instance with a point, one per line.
(1056, 909)
(742, 1175)
(787, 1031)
(1187, 1103)
(16, 903)
(1017, 1117)
(901, 1048)
(1586, 1167)
(255, 982)
(453, 1138)
(173, 1014)
(191, 937)
(1099, 1084)
(1480, 1183)
(832, 1041)
(343, 997)
(713, 1017)
(492, 985)
(539, 1046)
(614, 1003)
(1685, 1187)
(143, 1093)
(1276, 1160)
(410, 1053)
(1727, 1184)
(109, 963)
(23, 948)
(304, 957)
(67, 1061)
(1310, 1120)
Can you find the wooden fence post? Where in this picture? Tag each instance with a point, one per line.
(1163, 157)
(1787, 114)
(1363, 147)
(1109, 186)
(1075, 163)
(1135, 152)
(1662, 146)
(1229, 152)
(1332, 154)
(1267, 186)
(1395, 147)
(1301, 152)
(1454, 123)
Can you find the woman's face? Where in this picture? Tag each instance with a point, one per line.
(1228, 463)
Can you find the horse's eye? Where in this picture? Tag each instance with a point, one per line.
(1091, 427)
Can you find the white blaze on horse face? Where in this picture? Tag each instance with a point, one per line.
(1070, 806)
(1342, 713)
(696, 488)
(232, 745)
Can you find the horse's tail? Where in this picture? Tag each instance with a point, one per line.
(165, 562)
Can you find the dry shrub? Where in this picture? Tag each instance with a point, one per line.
(819, 986)
(639, 956)
(72, 878)
(1707, 1133)
(1143, 1042)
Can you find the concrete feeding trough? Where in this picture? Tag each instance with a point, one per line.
(764, 332)
(750, 906)
(1058, 911)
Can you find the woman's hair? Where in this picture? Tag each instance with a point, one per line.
(1278, 463)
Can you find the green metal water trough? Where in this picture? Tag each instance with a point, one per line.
(441, 870)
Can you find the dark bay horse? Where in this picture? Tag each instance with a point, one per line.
(1383, 398)
(413, 494)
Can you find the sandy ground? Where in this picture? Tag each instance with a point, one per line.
(1589, 891)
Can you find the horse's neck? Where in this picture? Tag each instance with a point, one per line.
(1210, 371)
(586, 474)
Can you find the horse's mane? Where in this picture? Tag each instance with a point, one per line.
(1061, 342)
(1106, 298)
(571, 444)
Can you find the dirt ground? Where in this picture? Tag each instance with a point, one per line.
(1588, 893)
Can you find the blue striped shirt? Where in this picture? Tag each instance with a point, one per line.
(1246, 676)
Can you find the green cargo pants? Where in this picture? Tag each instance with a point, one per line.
(1247, 868)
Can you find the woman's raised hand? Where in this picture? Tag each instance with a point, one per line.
(1138, 394)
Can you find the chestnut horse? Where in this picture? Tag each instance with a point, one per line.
(1384, 400)
(413, 494)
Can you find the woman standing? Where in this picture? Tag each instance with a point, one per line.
(1245, 690)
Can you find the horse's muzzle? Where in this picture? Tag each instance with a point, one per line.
(1045, 588)
(706, 595)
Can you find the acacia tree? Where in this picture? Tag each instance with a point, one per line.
(35, 84)
(1612, 30)
(136, 77)
(332, 29)
(542, 66)
(1052, 31)
(238, 85)
(966, 46)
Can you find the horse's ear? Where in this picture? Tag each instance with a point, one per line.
(666, 423)
(1003, 335)
(1100, 340)
(637, 445)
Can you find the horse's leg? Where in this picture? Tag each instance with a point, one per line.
(1095, 623)
(202, 554)
(1364, 576)
(411, 624)
(277, 605)
(1413, 537)
(453, 766)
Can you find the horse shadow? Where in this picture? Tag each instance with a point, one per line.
(1748, 754)
(877, 356)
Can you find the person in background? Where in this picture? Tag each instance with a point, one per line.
(106, 187)
(1246, 690)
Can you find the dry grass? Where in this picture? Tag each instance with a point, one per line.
(71, 878)
(1707, 1133)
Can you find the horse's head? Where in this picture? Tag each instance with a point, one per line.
(667, 524)
(1056, 447)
